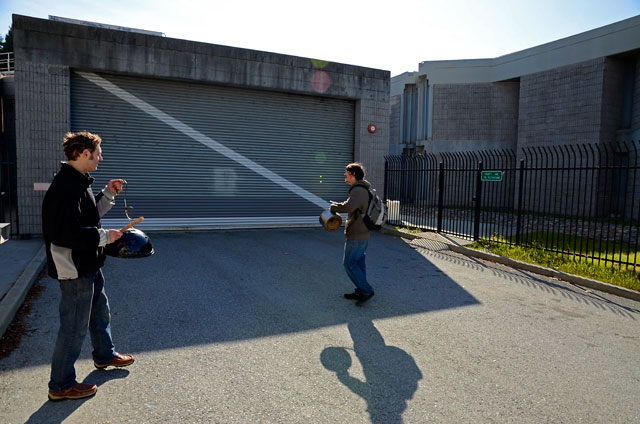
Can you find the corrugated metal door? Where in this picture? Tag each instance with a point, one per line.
(198, 155)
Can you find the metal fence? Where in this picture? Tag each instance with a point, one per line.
(581, 200)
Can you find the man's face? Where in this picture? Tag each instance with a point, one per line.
(94, 158)
(349, 178)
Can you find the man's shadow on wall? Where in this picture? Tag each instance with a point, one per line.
(391, 374)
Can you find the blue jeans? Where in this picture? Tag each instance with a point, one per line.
(84, 305)
(353, 261)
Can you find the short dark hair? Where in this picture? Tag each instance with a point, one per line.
(75, 143)
(357, 169)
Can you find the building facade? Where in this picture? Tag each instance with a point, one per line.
(580, 89)
(206, 136)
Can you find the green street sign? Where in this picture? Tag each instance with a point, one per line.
(491, 175)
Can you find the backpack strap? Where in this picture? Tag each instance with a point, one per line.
(368, 193)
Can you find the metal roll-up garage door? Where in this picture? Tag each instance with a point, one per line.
(197, 155)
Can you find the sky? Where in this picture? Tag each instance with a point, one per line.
(394, 35)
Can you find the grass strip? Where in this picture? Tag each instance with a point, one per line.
(571, 263)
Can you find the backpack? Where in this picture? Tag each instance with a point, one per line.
(376, 214)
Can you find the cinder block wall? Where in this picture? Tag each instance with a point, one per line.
(476, 112)
(460, 112)
(633, 191)
(613, 84)
(609, 196)
(577, 104)
(561, 106)
(635, 121)
(370, 148)
(504, 110)
(395, 125)
(42, 119)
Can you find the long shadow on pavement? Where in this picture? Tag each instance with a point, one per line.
(532, 281)
(207, 288)
(202, 288)
(391, 374)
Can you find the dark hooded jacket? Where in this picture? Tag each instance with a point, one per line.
(70, 222)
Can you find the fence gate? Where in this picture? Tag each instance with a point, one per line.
(452, 193)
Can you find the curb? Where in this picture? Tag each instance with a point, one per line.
(393, 232)
(537, 269)
(16, 294)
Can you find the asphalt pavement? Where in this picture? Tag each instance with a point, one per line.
(251, 327)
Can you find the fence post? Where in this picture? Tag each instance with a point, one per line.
(440, 196)
(520, 189)
(386, 170)
(478, 200)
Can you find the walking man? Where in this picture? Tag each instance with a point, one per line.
(75, 244)
(357, 233)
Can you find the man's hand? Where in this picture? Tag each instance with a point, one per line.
(115, 186)
(114, 235)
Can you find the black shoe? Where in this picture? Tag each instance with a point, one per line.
(363, 298)
(353, 296)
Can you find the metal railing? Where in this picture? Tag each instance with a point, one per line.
(581, 200)
(7, 63)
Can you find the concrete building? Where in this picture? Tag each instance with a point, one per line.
(580, 89)
(207, 136)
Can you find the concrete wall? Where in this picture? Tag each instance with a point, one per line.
(42, 119)
(562, 106)
(476, 112)
(608, 40)
(612, 95)
(635, 122)
(565, 93)
(395, 125)
(369, 148)
(98, 49)
(558, 107)
(46, 51)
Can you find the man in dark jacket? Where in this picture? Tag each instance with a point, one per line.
(75, 244)
(356, 231)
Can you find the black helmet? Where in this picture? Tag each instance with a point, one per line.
(133, 244)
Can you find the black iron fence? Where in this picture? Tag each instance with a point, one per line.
(581, 200)
(8, 198)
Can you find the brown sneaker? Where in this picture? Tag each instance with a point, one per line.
(119, 361)
(78, 391)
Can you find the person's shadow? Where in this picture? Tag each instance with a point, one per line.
(58, 411)
(391, 374)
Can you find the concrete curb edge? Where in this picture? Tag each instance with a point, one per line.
(573, 279)
(16, 294)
